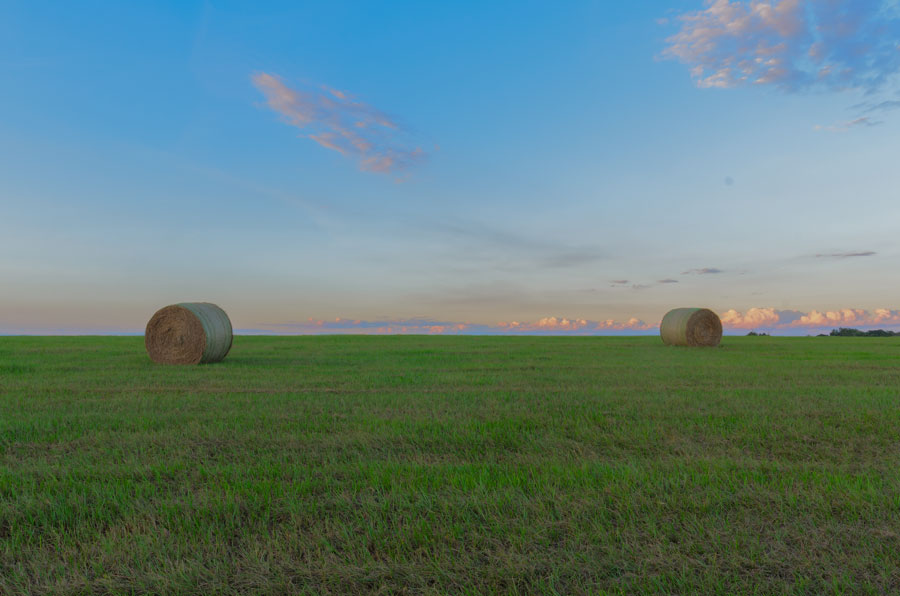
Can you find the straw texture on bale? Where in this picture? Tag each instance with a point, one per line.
(691, 327)
(188, 333)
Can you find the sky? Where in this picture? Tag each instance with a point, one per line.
(459, 167)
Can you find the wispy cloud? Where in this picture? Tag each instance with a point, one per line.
(624, 283)
(862, 121)
(703, 271)
(337, 121)
(881, 106)
(844, 255)
(621, 283)
(339, 326)
(792, 44)
(570, 258)
(510, 250)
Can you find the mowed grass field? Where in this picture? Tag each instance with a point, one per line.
(460, 465)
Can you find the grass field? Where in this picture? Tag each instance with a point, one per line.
(465, 465)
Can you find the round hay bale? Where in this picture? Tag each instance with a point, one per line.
(691, 327)
(188, 333)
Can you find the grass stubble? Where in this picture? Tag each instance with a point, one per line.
(463, 465)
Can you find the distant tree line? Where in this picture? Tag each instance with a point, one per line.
(848, 332)
(844, 332)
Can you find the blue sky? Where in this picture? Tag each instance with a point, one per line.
(450, 167)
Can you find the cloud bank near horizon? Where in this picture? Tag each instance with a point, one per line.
(794, 45)
(774, 319)
(754, 319)
(544, 326)
(767, 319)
(338, 121)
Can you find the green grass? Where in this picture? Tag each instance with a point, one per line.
(465, 465)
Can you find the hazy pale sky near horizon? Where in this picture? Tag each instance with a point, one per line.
(444, 167)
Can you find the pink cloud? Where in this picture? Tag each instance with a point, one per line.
(564, 325)
(632, 324)
(754, 318)
(847, 316)
(772, 319)
(560, 324)
(794, 44)
(337, 121)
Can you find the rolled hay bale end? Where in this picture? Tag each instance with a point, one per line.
(695, 327)
(188, 333)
